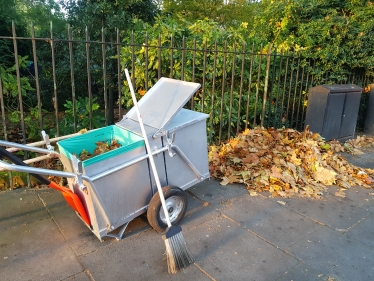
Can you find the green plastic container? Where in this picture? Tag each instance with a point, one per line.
(87, 141)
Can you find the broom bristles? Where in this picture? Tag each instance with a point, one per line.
(177, 254)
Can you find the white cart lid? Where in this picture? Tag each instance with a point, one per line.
(182, 119)
(162, 102)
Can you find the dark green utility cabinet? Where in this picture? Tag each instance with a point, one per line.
(332, 111)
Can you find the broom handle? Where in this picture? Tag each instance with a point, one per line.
(163, 203)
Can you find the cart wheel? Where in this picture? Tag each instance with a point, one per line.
(176, 203)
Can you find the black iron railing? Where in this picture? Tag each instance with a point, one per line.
(242, 86)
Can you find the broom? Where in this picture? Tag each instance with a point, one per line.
(177, 253)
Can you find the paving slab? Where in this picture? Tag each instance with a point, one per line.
(269, 220)
(226, 251)
(139, 257)
(304, 272)
(364, 160)
(332, 251)
(356, 195)
(232, 235)
(214, 193)
(363, 231)
(20, 207)
(82, 276)
(36, 251)
(332, 211)
(198, 212)
(78, 235)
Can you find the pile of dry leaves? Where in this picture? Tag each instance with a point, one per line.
(101, 147)
(287, 163)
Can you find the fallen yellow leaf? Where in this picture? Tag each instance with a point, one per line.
(252, 193)
(340, 193)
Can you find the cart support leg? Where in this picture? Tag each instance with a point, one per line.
(187, 161)
(119, 235)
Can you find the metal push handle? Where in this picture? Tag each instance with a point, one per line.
(18, 161)
(151, 160)
(29, 148)
(71, 198)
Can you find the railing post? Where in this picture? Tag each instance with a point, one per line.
(231, 90)
(19, 98)
(89, 76)
(72, 78)
(257, 87)
(249, 87)
(183, 57)
(132, 56)
(268, 57)
(55, 98)
(119, 85)
(193, 69)
(290, 88)
(18, 82)
(171, 56)
(159, 57)
(241, 89)
(223, 92)
(36, 69)
(3, 110)
(300, 100)
(204, 73)
(271, 87)
(295, 91)
(305, 96)
(105, 84)
(146, 62)
(213, 93)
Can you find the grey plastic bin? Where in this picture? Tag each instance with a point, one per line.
(332, 111)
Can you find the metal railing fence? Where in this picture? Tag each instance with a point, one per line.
(242, 86)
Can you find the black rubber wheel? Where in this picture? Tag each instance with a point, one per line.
(176, 203)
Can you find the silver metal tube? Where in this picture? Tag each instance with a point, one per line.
(188, 162)
(127, 164)
(40, 171)
(33, 160)
(27, 147)
(39, 143)
(32, 170)
(141, 158)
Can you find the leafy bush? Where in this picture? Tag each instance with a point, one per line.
(31, 122)
(10, 86)
(81, 117)
(337, 35)
(202, 52)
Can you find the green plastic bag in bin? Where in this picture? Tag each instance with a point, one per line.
(87, 141)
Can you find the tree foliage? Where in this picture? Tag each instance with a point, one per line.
(337, 34)
(231, 14)
(107, 14)
(204, 52)
(42, 13)
(9, 12)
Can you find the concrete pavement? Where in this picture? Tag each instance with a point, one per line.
(232, 235)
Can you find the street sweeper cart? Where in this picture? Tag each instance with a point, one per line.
(111, 189)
